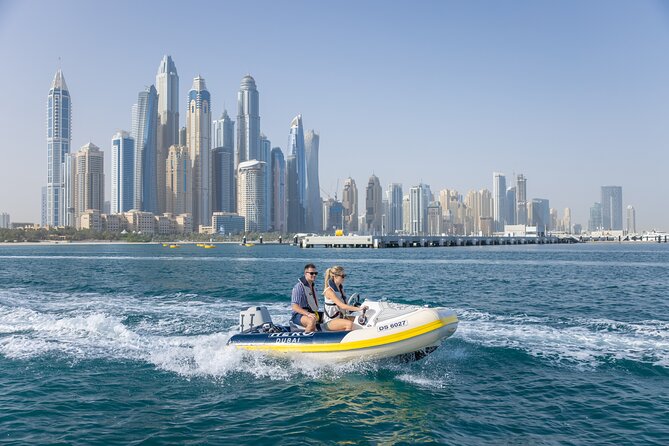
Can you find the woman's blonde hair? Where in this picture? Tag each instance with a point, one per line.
(330, 273)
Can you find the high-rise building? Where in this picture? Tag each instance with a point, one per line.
(265, 151)
(198, 129)
(167, 86)
(418, 202)
(595, 221)
(499, 200)
(631, 220)
(349, 200)
(373, 205)
(521, 200)
(144, 128)
(333, 214)
(5, 222)
(178, 181)
(612, 208)
(122, 172)
(566, 221)
(89, 185)
(223, 180)
(314, 202)
(552, 220)
(479, 208)
(43, 216)
(224, 143)
(296, 164)
(435, 219)
(69, 178)
(58, 139)
(224, 131)
(251, 194)
(248, 121)
(278, 201)
(540, 215)
(511, 205)
(394, 196)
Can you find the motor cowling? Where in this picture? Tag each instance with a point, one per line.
(253, 317)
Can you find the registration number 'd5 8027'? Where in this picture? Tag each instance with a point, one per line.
(392, 325)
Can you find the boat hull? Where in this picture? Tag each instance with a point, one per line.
(419, 331)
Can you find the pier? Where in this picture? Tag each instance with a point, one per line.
(424, 241)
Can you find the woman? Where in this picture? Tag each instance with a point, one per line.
(334, 316)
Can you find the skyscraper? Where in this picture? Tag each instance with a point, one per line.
(198, 129)
(248, 121)
(251, 191)
(89, 189)
(314, 202)
(612, 208)
(595, 221)
(373, 205)
(278, 202)
(224, 131)
(418, 202)
(297, 186)
(394, 196)
(264, 153)
(122, 172)
(631, 220)
(510, 210)
(178, 181)
(521, 200)
(540, 215)
(58, 137)
(499, 200)
(349, 200)
(144, 129)
(223, 180)
(167, 86)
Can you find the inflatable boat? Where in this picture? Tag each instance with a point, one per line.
(383, 330)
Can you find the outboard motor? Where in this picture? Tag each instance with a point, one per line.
(253, 317)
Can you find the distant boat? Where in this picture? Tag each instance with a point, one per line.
(201, 245)
(165, 245)
(208, 246)
(174, 246)
(248, 244)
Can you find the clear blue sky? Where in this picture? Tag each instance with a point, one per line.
(573, 94)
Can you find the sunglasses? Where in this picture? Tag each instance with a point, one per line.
(313, 273)
(343, 276)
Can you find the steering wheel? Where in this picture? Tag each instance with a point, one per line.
(354, 300)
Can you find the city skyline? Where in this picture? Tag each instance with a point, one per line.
(535, 98)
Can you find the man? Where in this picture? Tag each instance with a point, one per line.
(304, 304)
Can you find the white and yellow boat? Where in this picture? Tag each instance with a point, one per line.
(383, 331)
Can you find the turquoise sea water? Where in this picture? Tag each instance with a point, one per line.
(125, 344)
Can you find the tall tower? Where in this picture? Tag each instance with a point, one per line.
(167, 86)
(248, 121)
(58, 140)
(178, 179)
(313, 189)
(123, 172)
(223, 179)
(224, 131)
(278, 201)
(631, 220)
(612, 208)
(145, 119)
(499, 200)
(251, 192)
(418, 202)
(521, 200)
(198, 129)
(374, 205)
(349, 200)
(89, 189)
(394, 196)
(297, 186)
